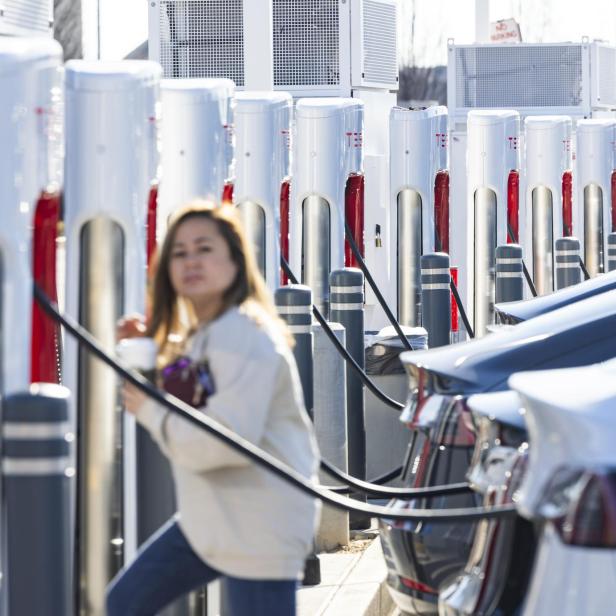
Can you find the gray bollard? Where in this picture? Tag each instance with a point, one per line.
(610, 265)
(346, 296)
(509, 273)
(567, 262)
(37, 500)
(436, 298)
(294, 305)
(330, 424)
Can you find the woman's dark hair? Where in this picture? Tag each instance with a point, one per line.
(171, 316)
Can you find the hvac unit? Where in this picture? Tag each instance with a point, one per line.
(575, 79)
(26, 17)
(313, 50)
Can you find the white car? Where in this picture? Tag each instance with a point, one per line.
(569, 488)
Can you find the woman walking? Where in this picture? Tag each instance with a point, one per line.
(235, 520)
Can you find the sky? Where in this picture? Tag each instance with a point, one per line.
(124, 24)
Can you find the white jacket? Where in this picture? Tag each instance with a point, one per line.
(238, 517)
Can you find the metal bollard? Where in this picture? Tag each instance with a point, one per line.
(436, 298)
(37, 500)
(611, 253)
(294, 305)
(330, 423)
(509, 274)
(567, 262)
(346, 292)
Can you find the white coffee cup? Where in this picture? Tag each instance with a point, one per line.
(139, 353)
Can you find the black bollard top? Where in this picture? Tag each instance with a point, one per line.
(347, 277)
(509, 251)
(293, 295)
(435, 260)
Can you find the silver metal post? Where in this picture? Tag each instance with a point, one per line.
(253, 219)
(543, 240)
(593, 229)
(436, 298)
(316, 249)
(409, 252)
(567, 255)
(484, 257)
(509, 275)
(99, 475)
(37, 499)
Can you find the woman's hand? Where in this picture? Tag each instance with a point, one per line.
(131, 326)
(133, 398)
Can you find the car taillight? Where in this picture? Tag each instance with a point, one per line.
(418, 392)
(457, 431)
(45, 346)
(513, 206)
(441, 211)
(415, 585)
(227, 193)
(151, 223)
(568, 203)
(285, 190)
(354, 213)
(581, 504)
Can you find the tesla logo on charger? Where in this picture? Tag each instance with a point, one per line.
(286, 138)
(513, 143)
(442, 140)
(355, 140)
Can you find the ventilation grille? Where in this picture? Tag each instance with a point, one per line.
(380, 54)
(606, 73)
(519, 76)
(202, 38)
(306, 43)
(25, 16)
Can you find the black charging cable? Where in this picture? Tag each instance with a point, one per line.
(365, 379)
(377, 292)
(254, 453)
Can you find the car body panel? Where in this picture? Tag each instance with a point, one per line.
(515, 312)
(578, 334)
(571, 580)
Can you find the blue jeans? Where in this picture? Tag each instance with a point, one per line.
(167, 568)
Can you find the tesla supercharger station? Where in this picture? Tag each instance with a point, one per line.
(419, 210)
(327, 188)
(111, 141)
(30, 176)
(262, 175)
(593, 209)
(493, 163)
(548, 213)
(197, 143)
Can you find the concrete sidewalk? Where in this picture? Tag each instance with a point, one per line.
(352, 581)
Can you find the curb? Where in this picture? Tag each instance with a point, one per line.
(353, 585)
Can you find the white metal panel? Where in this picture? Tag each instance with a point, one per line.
(197, 155)
(262, 129)
(493, 151)
(322, 163)
(26, 17)
(534, 79)
(30, 122)
(198, 38)
(547, 147)
(595, 143)
(374, 60)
